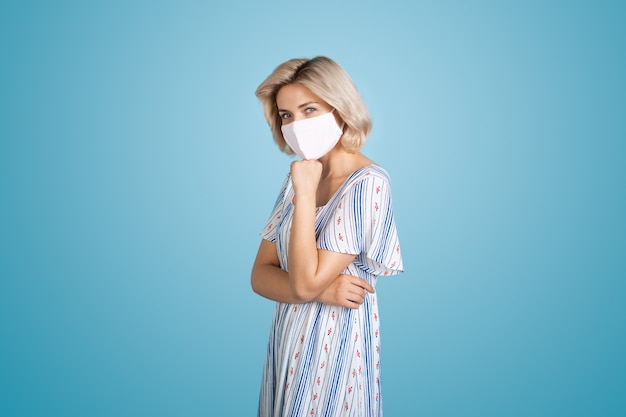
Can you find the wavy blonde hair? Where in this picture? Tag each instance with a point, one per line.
(330, 82)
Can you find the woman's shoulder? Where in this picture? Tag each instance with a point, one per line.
(370, 168)
(371, 171)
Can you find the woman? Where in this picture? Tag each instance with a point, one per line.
(329, 237)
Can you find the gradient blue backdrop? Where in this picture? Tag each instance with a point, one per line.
(136, 171)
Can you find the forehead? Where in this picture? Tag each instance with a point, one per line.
(292, 95)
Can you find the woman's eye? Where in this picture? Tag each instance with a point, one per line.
(310, 109)
(285, 116)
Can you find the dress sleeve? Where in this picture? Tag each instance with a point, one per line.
(269, 231)
(362, 224)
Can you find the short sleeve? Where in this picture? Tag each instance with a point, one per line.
(269, 231)
(362, 224)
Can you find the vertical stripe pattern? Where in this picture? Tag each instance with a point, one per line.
(325, 360)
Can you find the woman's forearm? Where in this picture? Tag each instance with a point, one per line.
(303, 253)
(271, 282)
(311, 270)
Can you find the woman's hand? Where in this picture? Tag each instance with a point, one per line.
(345, 291)
(305, 177)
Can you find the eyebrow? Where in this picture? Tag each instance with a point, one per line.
(308, 103)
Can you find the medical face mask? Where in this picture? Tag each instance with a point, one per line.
(312, 138)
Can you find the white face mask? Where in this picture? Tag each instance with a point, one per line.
(312, 138)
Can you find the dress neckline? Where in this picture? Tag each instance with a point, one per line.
(343, 185)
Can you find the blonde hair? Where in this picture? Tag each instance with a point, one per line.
(330, 82)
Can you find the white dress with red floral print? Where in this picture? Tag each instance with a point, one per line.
(325, 360)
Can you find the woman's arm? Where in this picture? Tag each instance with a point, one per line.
(270, 281)
(311, 270)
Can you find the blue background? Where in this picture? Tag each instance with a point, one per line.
(136, 171)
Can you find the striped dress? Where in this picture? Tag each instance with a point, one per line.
(324, 360)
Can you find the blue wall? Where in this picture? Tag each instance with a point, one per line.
(136, 171)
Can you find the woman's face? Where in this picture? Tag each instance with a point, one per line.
(296, 102)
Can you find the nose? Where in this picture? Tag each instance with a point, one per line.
(297, 116)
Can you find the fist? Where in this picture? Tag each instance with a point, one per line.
(305, 176)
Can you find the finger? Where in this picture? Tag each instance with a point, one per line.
(357, 295)
(363, 284)
(356, 291)
(351, 304)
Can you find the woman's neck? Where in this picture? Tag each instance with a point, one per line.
(339, 163)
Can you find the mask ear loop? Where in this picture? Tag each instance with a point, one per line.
(343, 124)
